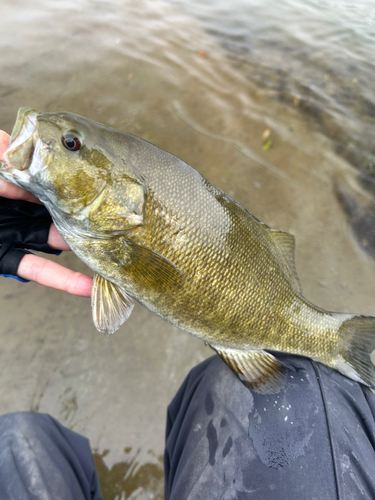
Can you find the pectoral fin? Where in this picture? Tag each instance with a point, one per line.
(258, 370)
(111, 305)
(150, 270)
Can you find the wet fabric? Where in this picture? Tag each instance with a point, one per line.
(23, 225)
(313, 440)
(42, 460)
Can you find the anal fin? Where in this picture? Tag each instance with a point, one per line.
(111, 305)
(258, 370)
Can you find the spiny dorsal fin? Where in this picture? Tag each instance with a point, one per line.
(150, 270)
(258, 370)
(111, 305)
(286, 244)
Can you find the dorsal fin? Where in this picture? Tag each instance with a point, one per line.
(286, 244)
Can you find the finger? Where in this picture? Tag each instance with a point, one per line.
(13, 192)
(55, 240)
(4, 142)
(48, 273)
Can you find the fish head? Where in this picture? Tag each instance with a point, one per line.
(53, 155)
(72, 165)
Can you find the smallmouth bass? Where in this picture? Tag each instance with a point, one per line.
(154, 230)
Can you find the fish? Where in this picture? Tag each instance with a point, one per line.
(154, 230)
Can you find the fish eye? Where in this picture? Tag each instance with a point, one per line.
(71, 141)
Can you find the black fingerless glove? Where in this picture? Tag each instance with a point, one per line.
(22, 225)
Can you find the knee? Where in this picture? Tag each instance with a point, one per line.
(15, 425)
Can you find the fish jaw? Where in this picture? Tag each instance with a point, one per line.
(21, 148)
(26, 153)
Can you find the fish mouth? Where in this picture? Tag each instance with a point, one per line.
(20, 151)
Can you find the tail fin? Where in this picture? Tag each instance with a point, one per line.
(358, 342)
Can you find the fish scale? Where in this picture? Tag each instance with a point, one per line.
(242, 310)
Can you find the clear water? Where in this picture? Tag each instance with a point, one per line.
(316, 56)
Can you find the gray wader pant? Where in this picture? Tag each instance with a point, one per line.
(313, 440)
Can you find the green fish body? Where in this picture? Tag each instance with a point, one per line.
(154, 230)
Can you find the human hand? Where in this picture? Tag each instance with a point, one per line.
(38, 269)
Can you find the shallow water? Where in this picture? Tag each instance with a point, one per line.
(271, 101)
(315, 56)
